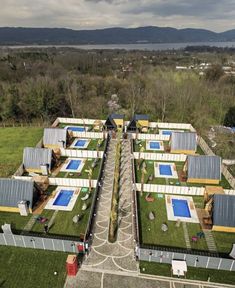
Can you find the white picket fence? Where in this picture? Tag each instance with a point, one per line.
(160, 125)
(78, 121)
(170, 189)
(63, 181)
(160, 156)
(94, 135)
(72, 182)
(157, 137)
(81, 153)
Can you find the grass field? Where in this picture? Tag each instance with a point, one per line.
(151, 233)
(31, 268)
(24, 267)
(13, 140)
(63, 224)
(218, 276)
(169, 181)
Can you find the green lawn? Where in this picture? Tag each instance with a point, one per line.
(169, 181)
(150, 231)
(224, 241)
(63, 224)
(84, 174)
(17, 222)
(29, 268)
(13, 140)
(161, 181)
(218, 276)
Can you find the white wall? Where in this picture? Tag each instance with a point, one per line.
(78, 121)
(81, 153)
(160, 156)
(170, 189)
(94, 135)
(72, 182)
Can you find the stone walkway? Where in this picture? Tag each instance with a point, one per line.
(210, 240)
(186, 236)
(118, 256)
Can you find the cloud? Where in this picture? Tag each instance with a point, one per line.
(90, 14)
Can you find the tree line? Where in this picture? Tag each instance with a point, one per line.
(71, 83)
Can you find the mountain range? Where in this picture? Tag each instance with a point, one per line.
(149, 34)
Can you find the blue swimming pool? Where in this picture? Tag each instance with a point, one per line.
(154, 145)
(63, 198)
(80, 143)
(73, 164)
(76, 128)
(165, 169)
(180, 208)
(167, 132)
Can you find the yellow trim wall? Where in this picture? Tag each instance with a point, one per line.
(119, 122)
(205, 181)
(223, 229)
(190, 152)
(12, 209)
(143, 123)
(34, 170)
(52, 146)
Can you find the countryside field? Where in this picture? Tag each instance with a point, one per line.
(25, 267)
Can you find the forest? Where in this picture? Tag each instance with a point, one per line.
(37, 85)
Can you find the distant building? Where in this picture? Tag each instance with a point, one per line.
(140, 122)
(115, 122)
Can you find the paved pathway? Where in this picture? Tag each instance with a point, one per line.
(118, 256)
(210, 240)
(186, 236)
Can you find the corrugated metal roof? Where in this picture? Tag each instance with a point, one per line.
(224, 210)
(12, 191)
(183, 141)
(116, 116)
(204, 167)
(140, 117)
(35, 157)
(55, 136)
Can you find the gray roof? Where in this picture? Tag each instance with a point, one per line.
(204, 167)
(33, 158)
(224, 210)
(183, 141)
(55, 136)
(12, 191)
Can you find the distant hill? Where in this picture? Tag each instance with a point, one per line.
(62, 36)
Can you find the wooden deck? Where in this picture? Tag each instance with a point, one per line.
(204, 218)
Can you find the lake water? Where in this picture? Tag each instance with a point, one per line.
(143, 46)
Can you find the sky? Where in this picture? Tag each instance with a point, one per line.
(215, 15)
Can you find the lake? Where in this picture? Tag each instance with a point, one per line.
(142, 46)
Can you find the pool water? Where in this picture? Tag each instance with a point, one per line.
(63, 198)
(154, 145)
(73, 164)
(165, 170)
(76, 128)
(180, 208)
(166, 132)
(80, 143)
